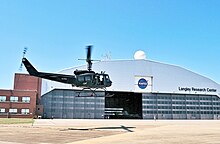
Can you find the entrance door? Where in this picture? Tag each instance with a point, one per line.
(123, 105)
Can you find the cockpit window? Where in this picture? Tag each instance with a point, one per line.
(80, 78)
(87, 78)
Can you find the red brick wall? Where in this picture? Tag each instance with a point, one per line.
(18, 105)
(27, 82)
(24, 85)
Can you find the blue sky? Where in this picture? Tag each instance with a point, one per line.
(180, 32)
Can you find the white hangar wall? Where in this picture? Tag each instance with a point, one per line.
(162, 78)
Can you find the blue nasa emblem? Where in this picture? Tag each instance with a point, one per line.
(142, 83)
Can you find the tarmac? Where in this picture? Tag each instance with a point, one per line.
(86, 131)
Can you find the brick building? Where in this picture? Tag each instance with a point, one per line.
(24, 100)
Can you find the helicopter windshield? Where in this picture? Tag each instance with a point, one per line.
(106, 77)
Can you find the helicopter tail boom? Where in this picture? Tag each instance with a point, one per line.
(30, 68)
(68, 79)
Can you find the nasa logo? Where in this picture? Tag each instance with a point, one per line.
(142, 83)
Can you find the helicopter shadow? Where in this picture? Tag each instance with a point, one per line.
(128, 129)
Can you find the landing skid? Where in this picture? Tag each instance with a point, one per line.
(93, 94)
(109, 95)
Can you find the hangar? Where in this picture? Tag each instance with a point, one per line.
(141, 89)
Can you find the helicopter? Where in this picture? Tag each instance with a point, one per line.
(85, 79)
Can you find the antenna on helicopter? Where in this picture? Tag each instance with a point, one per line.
(24, 53)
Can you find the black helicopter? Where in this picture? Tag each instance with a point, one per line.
(85, 79)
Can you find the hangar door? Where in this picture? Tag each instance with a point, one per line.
(123, 105)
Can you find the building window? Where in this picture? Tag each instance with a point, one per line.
(2, 110)
(26, 99)
(13, 110)
(14, 99)
(24, 111)
(2, 98)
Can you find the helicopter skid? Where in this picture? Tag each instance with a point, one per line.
(93, 93)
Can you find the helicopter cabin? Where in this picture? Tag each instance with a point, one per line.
(94, 80)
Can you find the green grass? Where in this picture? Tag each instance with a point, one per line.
(16, 121)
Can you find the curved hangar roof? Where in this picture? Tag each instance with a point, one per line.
(146, 76)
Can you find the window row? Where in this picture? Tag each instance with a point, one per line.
(25, 99)
(180, 112)
(180, 103)
(176, 97)
(181, 107)
(15, 111)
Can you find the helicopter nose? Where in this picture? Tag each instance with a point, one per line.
(110, 83)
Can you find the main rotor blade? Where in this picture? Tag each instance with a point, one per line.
(88, 59)
(89, 53)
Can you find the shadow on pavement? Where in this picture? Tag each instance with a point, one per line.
(105, 128)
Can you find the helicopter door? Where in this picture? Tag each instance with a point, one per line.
(102, 80)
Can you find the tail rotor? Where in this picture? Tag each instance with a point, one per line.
(24, 53)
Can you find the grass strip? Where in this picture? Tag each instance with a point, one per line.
(16, 121)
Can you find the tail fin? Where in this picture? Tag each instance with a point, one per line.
(32, 71)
